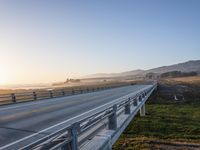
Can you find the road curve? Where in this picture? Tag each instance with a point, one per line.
(22, 123)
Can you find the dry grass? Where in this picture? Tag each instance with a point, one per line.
(195, 80)
(152, 143)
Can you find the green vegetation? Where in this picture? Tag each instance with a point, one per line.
(168, 121)
(163, 122)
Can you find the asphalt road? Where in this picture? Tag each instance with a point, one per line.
(23, 123)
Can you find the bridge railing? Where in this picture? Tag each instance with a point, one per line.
(49, 93)
(105, 116)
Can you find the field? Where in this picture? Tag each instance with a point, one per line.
(195, 80)
(172, 120)
(164, 126)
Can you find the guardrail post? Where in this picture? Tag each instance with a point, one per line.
(112, 119)
(50, 94)
(34, 96)
(81, 91)
(156, 86)
(142, 110)
(140, 98)
(63, 93)
(143, 95)
(128, 106)
(135, 102)
(73, 92)
(74, 135)
(13, 97)
(87, 90)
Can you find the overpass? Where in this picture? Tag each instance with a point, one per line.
(85, 121)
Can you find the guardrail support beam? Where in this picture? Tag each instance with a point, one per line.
(63, 93)
(74, 135)
(140, 98)
(73, 92)
(81, 91)
(34, 96)
(142, 110)
(13, 97)
(128, 107)
(135, 102)
(112, 119)
(50, 94)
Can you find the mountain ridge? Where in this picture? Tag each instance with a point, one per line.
(188, 66)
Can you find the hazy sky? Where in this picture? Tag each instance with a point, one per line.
(49, 40)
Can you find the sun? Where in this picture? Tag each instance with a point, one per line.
(2, 81)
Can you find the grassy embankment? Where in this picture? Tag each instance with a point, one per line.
(170, 124)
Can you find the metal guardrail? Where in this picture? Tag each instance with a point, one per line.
(72, 136)
(47, 94)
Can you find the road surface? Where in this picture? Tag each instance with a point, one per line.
(22, 123)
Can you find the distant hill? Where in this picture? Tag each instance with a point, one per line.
(174, 74)
(108, 75)
(189, 66)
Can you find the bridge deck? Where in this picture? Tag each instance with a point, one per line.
(22, 123)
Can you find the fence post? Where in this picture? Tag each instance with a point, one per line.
(128, 107)
(112, 119)
(34, 96)
(13, 97)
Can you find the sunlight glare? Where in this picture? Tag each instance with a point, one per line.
(2, 75)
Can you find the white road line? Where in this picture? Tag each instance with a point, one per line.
(44, 130)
